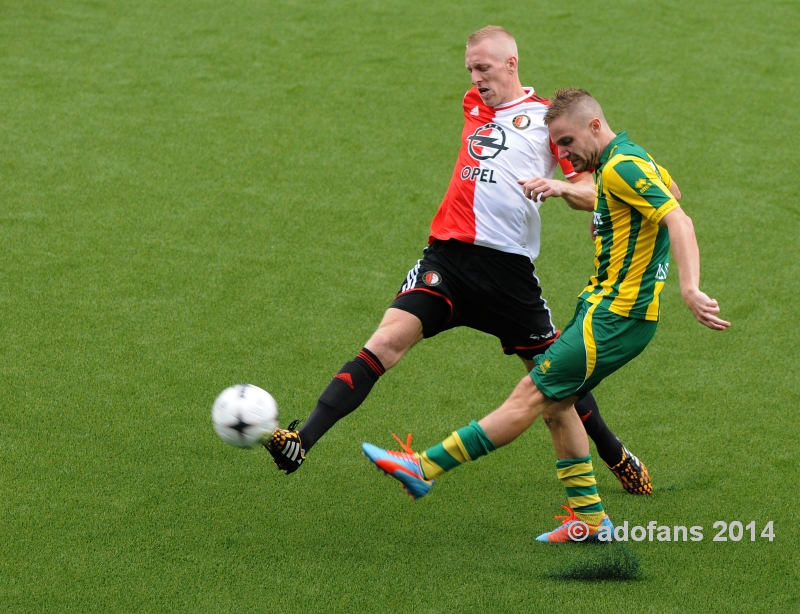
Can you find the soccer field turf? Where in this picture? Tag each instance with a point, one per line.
(195, 194)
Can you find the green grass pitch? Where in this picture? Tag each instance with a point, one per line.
(197, 193)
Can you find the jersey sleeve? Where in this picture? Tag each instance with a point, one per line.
(566, 165)
(665, 176)
(636, 182)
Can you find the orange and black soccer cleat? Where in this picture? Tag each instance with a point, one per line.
(286, 448)
(632, 474)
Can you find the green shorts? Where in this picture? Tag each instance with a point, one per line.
(595, 343)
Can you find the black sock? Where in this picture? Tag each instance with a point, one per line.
(344, 394)
(608, 446)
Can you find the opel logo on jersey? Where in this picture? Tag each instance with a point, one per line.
(521, 122)
(432, 278)
(487, 142)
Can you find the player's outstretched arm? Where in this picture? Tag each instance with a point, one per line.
(687, 257)
(578, 192)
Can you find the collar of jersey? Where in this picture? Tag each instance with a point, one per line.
(507, 105)
(620, 138)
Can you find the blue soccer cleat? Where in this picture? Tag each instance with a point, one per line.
(402, 466)
(573, 529)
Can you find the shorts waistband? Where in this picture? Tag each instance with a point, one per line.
(454, 245)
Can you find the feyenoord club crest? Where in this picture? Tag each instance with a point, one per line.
(521, 122)
(487, 142)
(432, 278)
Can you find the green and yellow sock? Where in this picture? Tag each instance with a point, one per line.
(577, 476)
(466, 444)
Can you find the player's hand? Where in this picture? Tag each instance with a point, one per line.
(704, 308)
(541, 188)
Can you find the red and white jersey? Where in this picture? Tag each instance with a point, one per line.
(484, 204)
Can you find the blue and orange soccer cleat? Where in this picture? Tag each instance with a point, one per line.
(402, 466)
(573, 529)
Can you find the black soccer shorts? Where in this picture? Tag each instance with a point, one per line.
(459, 284)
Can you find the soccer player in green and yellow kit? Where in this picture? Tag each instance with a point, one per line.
(637, 217)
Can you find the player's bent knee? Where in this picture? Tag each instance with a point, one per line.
(525, 389)
(528, 392)
(387, 347)
(527, 399)
(557, 409)
(534, 402)
(400, 328)
(394, 337)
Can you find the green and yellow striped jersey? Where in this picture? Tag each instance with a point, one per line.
(631, 249)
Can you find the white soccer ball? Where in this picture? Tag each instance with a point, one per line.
(243, 414)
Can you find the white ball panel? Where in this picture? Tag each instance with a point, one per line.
(243, 414)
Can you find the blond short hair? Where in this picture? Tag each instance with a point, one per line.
(498, 33)
(570, 100)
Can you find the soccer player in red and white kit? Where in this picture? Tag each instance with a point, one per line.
(477, 270)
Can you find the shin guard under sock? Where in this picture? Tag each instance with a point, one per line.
(466, 444)
(577, 477)
(348, 389)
